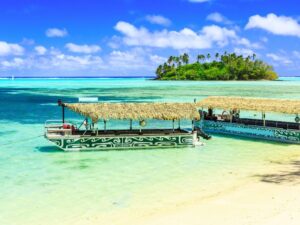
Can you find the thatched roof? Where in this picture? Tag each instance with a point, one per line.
(253, 104)
(135, 111)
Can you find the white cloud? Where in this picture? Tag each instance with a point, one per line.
(134, 58)
(14, 63)
(157, 59)
(40, 50)
(27, 41)
(279, 58)
(279, 25)
(245, 42)
(183, 39)
(158, 19)
(87, 49)
(55, 32)
(264, 39)
(70, 62)
(218, 18)
(199, 1)
(296, 54)
(243, 51)
(10, 49)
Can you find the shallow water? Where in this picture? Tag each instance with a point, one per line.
(43, 185)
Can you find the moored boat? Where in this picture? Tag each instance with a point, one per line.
(88, 136)
(234, 118)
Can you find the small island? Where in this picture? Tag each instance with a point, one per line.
(222, 67)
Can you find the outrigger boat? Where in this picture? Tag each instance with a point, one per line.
(234, 119)
(69, 137)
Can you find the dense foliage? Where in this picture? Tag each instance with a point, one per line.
(222, 67)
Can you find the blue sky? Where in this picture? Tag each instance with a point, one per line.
(131, 37)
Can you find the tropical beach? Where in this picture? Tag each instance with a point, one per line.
(178, 112)
(241, 180)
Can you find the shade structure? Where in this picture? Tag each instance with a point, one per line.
(252, 104)
(135, 111)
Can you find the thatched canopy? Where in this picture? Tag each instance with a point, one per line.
(135, 111)
(253, 104)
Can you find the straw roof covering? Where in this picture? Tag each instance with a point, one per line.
(136, 111)
(253, 104)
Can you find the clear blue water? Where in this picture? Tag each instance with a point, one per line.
(43, 185)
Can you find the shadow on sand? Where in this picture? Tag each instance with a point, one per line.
(290, 175)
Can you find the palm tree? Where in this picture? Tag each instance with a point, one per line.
(208, 56)
(200, 57)
(253, 56)
(185, 58)
(217, 56)
(165, 67)
(170, 60)
(176, 60)
(159, 71)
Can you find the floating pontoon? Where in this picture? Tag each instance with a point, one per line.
(70, 137)
(231, 122)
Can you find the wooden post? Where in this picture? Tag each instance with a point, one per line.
(130, 124)
(104, 125)
(231, 115)
(173, 125)
(264, 118)
(193, 127)
(179, 124)
(60, 103)
(63, 114)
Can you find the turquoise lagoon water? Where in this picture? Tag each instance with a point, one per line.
(43, 185)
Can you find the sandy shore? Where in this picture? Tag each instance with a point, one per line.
(267, 199)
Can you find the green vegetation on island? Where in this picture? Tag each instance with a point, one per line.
(222, 67)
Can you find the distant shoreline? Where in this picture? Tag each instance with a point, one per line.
(125, 77)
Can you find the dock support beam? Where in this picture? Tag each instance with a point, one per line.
(193, 125)
(173, 125)
(104, 125)
(60, 103)
(130, 124)
(264, 119)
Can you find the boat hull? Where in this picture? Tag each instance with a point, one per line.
(69, 143)
(251, 131)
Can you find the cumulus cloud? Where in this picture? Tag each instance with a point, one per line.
(183, 39)
(14, 63)
(279, 25)
(218, 18)
(134, 58)
(55, 32)
(40, 50)
(243, 51)
(86, 49)
(157, 59)
(158, 19)
(10, 49)
(279, 58)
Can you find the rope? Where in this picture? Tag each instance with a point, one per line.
(21, 141)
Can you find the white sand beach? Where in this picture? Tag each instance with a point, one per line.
(270, 199)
